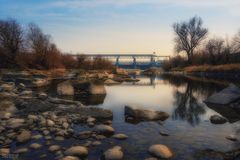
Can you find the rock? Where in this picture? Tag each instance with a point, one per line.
(114, 153)
(160, 151)
(33, 117)
(96, 143)
(65, 125)
(143, 114)
(4, 152)
(91, 120)
(97, 89)
(120, 71)
(232, 138)
(26, 93)
(14, 123)
(38, 136)
(104, 129)
(163, 133)
(46, 132)
(35, 146)
(216, 119)
(226, 96)
(7, 87)
(120, 136)
(65, 89)
(54, 148)
(20, 150)
(24, 136)
(79, 151)
(70, 158)
(7, 109)
(50, 123)
(152, 71)
(59, 138)
(110, 82)
(40, 82)
(42, 96)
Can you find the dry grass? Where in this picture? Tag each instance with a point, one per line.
(50, 73)
(229, 68)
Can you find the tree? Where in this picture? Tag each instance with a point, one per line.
(11, 39)
(189, 35)
(39, 43)
(236, 42)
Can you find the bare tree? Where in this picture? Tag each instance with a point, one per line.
(188, 35)
(11, 39)
(236, 42)
(38, 42)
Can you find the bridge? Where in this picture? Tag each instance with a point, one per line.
(141, 61)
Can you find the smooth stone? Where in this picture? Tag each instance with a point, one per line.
(120, 136)
(35, 146)
(4, 152)
(46, 132)
(38, 136)
(70, 158)
(114, 153)
(33, 117)
(54, 148)
(79, 151)
(91, 120)
(216, 119)
(145, 114)
(160, 151)
(96, 143)
(21, 150)
(50, 123)
(104, 129)
(24, 136)
(65, 125)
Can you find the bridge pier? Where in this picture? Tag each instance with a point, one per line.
(134, 62)
(117, 61)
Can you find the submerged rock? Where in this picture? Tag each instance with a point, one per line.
(70, 158)
(216, 119)
(35, 146)
(144, 114)
(65, 89)
(79, 151)
(160, 151)
(226, 96)
(232, 138)
(7, 87)
(21, 150)
(114, 153)
(4, 152)
(54, 148)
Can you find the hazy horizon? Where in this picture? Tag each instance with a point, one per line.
(126, 26)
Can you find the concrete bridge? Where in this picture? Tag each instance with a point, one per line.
(141, 61)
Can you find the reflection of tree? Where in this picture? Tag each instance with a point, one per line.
(188, 108)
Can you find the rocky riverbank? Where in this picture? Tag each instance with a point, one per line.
(33, 120)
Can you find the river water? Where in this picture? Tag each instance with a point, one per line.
(190, 131)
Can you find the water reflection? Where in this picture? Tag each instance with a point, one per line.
(187, 106)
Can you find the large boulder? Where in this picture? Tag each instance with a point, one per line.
(160, 151)
(144, 114)
(65, 89)
(114, 153)
(86, 87)
(225, 97)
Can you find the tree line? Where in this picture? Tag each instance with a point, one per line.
(193, 47)
(29, 47)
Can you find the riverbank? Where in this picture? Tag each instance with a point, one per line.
(226, 71)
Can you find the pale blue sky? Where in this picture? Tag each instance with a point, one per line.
(123, 26)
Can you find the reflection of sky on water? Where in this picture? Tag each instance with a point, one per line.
(188, 125)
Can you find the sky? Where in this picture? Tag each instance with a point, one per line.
(121, 26)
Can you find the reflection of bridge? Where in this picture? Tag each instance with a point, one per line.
(142, 61)
(152, 81)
